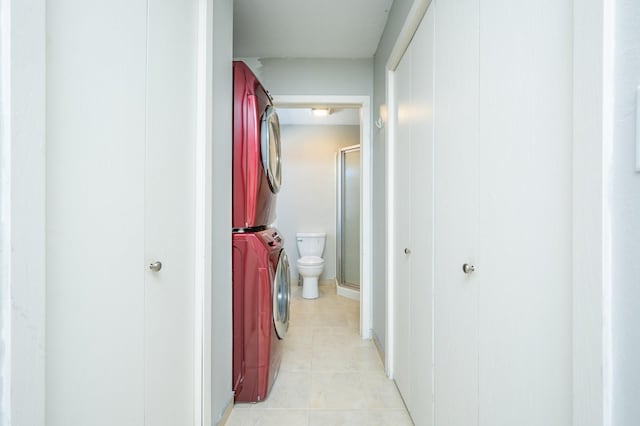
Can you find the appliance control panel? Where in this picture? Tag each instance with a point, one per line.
(272, 238)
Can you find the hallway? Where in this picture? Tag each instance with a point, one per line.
(329, 375)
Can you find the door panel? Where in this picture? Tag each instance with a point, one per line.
(169, 212)
(402, 272)
(501, 193)
(282, 295)
(414, 213)
(456, 213)
(270, 148)
(421, 302)
(350, 259)
(525, 219)
(120, 133)
(95, 217)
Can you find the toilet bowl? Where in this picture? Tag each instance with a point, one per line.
(310, 268)
(310, 264)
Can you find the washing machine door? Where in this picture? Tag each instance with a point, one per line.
(270, 148)
(281, 296)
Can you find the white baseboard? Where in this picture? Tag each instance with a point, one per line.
(226, 414)
(378, 345)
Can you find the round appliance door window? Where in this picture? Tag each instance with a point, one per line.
(270, 148)
(281, 296)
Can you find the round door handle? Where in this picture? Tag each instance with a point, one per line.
(155, 266)
(468, 268)
(407, 251)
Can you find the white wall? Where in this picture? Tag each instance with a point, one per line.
(307, 200)
(625, 217)
(397, 16)
(221, 338)
(22, 218)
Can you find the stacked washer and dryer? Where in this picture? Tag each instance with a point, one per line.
(261, 280)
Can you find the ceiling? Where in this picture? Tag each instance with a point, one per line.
(308, 29)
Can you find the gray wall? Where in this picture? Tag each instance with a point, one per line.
(625, 200)
(221, 338)
(307, 199)
(397, 16)
(314, 76)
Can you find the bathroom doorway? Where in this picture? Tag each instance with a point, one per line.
(361, 105)
(348, 222)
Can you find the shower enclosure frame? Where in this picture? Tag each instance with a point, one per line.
(340, 170)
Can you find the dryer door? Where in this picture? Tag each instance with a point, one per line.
(270, 148)
(281, 296)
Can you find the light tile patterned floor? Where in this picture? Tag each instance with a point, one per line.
(329, 375)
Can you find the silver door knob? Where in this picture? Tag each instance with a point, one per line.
(155, 266)
(407, 251)
(468, 268)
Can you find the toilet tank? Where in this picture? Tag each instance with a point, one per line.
(310, 243)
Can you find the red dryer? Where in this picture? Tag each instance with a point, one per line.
(256, 151)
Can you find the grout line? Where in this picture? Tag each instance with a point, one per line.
(347, 336)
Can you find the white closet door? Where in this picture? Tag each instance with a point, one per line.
(422, 150)
(501, 122)
(525, 351)
(169, 212)
(456, 213)
(403, 228)
(120, 95)
(414, 282)
(96, 78)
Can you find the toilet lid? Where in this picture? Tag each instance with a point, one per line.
(310, 261)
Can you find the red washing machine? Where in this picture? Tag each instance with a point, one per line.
(261, 282)
(256, 151)
(261, 294)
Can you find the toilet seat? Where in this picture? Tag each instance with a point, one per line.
(310, 261)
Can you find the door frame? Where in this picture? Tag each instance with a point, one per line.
(366, 199)
(203, 162)
(22, 211)
(593, 92)
(22, 147)
(593, 25)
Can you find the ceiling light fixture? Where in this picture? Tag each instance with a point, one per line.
(321, 112)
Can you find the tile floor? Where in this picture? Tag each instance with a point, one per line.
(329, 375)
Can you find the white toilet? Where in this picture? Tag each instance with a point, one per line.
(310, 264)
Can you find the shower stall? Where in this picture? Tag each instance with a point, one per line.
(348, 222)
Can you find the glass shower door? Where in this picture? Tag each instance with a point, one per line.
(349, 217)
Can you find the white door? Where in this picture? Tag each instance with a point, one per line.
(501, 194)
(402, 227)
(169, 212)
(525, 209)
(456, 213)
(422, 216)
(120, 135)
(414, 223)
